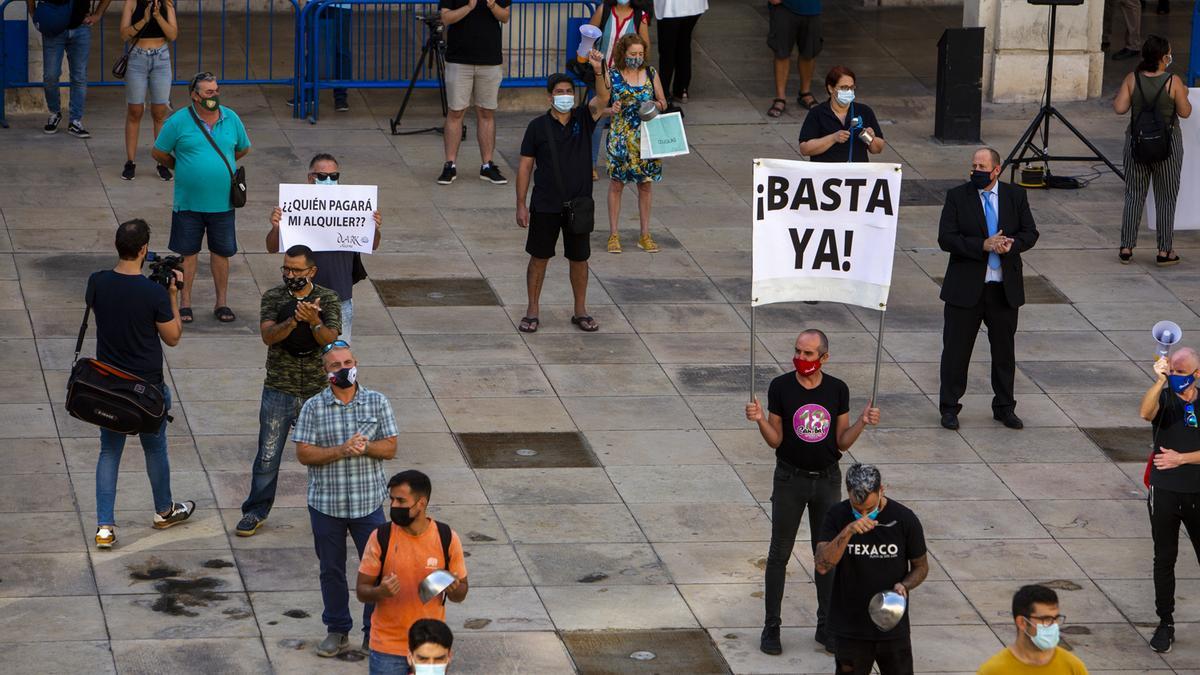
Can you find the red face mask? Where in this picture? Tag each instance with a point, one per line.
(806, 367)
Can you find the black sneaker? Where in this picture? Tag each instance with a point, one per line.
(178, 513)
(824, 639)
(52, 123)
(76, 129)
(130, 168)
(1124, 54)
(770, 643)
(1164, 635)
(449, 173)
(291, 102)
(491, 172)
(341, 106)
(164, 173)
(248, 525)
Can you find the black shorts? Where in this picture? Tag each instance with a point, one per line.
(788, 29)
(543, 237)
(855, 657)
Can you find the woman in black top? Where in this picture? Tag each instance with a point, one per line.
(150, 25)
(840, 130)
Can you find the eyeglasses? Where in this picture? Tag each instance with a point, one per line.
(1047, 620)
(334, 345)
(1189, 415)
(321, 175)
(292, 271)
(847, 87)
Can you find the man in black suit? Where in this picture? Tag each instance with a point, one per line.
(985, 227)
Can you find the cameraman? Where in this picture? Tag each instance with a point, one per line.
(132, 314)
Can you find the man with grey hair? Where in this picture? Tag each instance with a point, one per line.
(985, 227)
(807, 475)
(870, 544)
(1173, 476)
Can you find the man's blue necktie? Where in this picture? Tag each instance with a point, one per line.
(993, 226)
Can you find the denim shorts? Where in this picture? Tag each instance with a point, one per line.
(149, 70)
(189, 227)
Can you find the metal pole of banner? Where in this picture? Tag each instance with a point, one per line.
(878, 356)
(752, 353)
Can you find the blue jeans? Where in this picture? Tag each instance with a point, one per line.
(276, 415)
(347, 319)
(387, 664)
(108, 465)
(75, 43)
(329, 540)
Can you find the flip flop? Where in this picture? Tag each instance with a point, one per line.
(529, 324)
(585, 323)
(224, 315)
(807, 100)
(777, 107)
(185, 315)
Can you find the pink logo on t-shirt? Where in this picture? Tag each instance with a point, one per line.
(811, 423)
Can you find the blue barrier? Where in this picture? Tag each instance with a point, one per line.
(1194, 49)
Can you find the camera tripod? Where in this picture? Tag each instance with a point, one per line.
(1042, 122)
(433, 52)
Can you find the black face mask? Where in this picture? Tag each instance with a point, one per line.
(401, 516)
(343, 378)
(981, 179)
(295, 284)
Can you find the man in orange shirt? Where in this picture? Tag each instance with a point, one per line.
(416, 546)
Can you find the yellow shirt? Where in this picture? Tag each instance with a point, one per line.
(1005, 663)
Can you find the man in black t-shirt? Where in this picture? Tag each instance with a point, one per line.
(569, 127)
(807, 450)
(132, 315)
(335, 269)
(473, 74)
(1174, 477)
(870, 544)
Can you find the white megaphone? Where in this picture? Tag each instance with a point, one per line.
(588, 34)
(1166, 333)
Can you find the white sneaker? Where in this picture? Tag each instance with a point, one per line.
(106, 536)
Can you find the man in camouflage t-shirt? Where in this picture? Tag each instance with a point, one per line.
(298, 318)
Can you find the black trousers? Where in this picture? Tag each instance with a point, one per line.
(1167, 510)
(958, 340)
(854, 657)
(793, 491)
(675, 53)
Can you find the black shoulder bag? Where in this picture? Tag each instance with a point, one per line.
(122, 65)
(580, 212)
(237, 179)
(109, 397)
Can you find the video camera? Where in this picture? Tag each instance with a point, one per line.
(162, 269)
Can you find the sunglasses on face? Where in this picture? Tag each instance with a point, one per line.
(321, 175)
(334, 345)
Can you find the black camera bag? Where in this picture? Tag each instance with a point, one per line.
(104, 395)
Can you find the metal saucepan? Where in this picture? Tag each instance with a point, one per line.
(648, 110)
(434, 584)
(886, 609)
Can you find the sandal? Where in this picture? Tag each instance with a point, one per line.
(1126, 255)
(185, 315)
(777, 107)
(1166, 260)
(807, 100)
(224, 314)
(585, 323)
(529, 324)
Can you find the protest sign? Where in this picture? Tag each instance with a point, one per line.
(663, 136)
(328, 217)
(824, 231)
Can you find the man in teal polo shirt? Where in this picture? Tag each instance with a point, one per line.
(202, 182)
(794, 24)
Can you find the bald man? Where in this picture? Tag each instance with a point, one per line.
(1170, 406)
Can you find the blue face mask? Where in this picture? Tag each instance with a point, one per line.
(872, 515)
(327, 181)
(1046, 637)
(622, 2)
(845, 97)
(1179, 383)
(633, 62)
(564, 102)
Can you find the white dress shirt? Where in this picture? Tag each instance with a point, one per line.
(994, 194)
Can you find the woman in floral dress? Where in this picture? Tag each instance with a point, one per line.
(630, 84)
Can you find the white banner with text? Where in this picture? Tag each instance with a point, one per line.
(328, 217)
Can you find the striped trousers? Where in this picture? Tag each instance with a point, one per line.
(1138, 178)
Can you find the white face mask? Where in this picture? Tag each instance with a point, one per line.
(564, 102)
(429, 669)
(845, 97)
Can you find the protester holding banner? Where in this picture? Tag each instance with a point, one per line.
(630, 84)
(840, 129)
(985, 227)
(335, 269)
(807, 475)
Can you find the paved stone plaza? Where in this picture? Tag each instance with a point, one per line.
(644, 515)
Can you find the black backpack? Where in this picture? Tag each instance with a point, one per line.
(383, 535)
(1149, 134)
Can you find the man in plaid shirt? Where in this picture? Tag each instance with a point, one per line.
(343, 436)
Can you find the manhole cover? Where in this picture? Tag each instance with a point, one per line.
(645, 651)
(439, 292)
(532, 450)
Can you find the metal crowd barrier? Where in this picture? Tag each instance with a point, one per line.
(380, 40)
